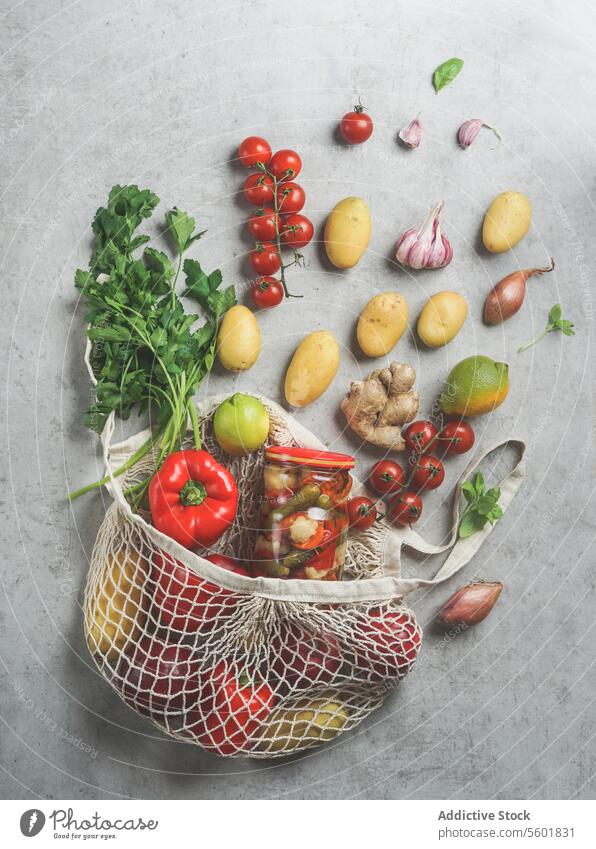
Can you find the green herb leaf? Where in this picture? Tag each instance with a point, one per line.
(479, 483)
(468, 491)
(471, 524)
(482, 506)
(446, 73)
(145, 353)
(181, 227)
(555, 322)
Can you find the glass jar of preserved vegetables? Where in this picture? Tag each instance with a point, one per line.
(303, 521)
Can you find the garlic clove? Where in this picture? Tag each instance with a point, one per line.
(470, 129)
(425, 246)
(470, 604)
(411, 134)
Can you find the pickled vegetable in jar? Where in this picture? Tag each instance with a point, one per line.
(303, 519)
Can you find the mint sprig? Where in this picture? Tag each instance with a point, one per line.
(482, 506)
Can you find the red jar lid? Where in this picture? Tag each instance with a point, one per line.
(310, 457)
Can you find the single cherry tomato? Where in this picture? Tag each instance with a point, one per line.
(254, 149)
(266, 292)
(262, 223)
(457, 437)
(356, 127)
(297, 231)
(429, 473)
(285, 164)
(362, 513)
(290, 197)
(264, 259)
(387, 477)
(418, 435)
(405, 509)
(258, 189)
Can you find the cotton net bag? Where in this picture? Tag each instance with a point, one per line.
(258, 667)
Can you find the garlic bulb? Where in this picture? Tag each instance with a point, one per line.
(425, 246)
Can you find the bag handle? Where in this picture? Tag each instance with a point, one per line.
(388, 587)
(463, 550)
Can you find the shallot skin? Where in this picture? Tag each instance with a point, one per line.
(470, 605)
(507, 296)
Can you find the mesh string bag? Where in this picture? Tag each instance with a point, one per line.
(258, 667)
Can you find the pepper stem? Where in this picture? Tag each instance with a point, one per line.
(193, 493)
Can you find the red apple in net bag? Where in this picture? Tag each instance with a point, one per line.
(387, 644)
(184, 601)
(300, 659)
(158, 678)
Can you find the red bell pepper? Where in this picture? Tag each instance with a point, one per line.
(232, 708)
(193, 499)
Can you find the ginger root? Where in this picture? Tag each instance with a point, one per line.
(376, 408)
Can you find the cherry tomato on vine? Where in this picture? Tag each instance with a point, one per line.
(264, 259)
(261, 224)
(387, 477)
(285, 164)
(356, 127)
(297, 231)
(418, 435)
(405, 509)
(429, 473)
(362, 513)
(457, 437)
(266, 292)
(254, 149)
(290, 197)
(258, 189)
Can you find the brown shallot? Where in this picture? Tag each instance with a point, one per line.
(470, 604)
(506, 298)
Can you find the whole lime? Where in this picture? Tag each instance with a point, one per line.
(241, 424)
(475, 386)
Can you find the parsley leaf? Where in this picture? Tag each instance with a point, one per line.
(181, 227)
(555, 322)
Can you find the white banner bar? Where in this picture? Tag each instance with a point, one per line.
(347, 824)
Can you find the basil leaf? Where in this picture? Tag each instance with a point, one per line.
(478, 482)
(446, 73)
(470, 524)
(484, 505)
(468, 491)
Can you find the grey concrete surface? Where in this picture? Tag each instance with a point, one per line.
(161, 93)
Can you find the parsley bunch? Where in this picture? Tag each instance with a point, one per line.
(147, 352)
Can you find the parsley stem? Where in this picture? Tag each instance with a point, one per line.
(537, 339)
(192, 411)
(132, 460)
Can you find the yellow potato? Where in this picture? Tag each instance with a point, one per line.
(442, 318)
(239, 339)
(118, 610)
(313, 367)
(347, 232)
(506, 222)
(382, 323)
